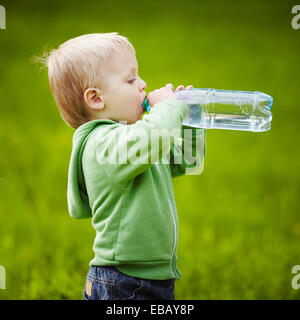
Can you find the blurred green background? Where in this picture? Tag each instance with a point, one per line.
(239, 221)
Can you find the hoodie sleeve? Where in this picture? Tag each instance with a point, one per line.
(188, 152)
(78, 202)
(128, 150)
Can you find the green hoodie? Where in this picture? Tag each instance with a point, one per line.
(132, 205)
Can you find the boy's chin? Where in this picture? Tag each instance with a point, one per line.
(127, 122)
(132, 120)
(135, 120)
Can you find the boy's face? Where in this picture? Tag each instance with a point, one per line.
(123, 90)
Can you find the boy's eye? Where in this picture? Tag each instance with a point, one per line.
(131, 81)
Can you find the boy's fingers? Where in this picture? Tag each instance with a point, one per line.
(181, 87)
(170, 86)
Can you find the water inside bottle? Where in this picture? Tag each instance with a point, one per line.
(230, 116)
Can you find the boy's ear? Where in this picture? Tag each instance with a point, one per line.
(93, 98)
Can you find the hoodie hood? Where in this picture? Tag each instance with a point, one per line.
(78, 201)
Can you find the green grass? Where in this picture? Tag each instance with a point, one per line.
(239, 221)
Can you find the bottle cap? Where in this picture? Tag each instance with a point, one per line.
(146, 105)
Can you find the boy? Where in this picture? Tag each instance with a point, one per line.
(94, 80)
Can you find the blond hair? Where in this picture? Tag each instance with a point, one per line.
(75, 66)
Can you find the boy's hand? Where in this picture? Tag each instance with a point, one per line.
(161, 94)
(164, 93)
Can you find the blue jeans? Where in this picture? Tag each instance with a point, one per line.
(108, 283)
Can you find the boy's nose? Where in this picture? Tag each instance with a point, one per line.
(143, 85)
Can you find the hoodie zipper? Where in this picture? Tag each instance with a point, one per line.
(175, 229)
(174, 223)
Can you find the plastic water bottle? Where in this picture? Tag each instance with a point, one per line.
(225, 109)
